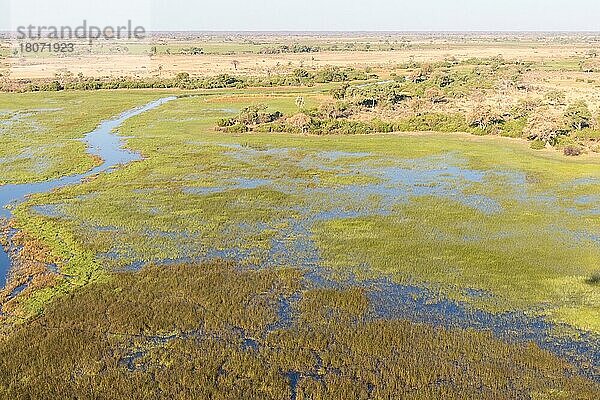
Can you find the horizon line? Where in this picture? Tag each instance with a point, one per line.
(357, 31)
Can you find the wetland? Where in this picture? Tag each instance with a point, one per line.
(322, 233)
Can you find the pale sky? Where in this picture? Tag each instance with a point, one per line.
(311, 15)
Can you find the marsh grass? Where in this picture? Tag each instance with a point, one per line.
(184, 331)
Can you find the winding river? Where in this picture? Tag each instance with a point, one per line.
(102, 142)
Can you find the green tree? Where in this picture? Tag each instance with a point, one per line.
(578, 115)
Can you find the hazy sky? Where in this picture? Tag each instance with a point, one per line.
(395, 15)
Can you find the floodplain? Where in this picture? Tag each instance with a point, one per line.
(318, 233)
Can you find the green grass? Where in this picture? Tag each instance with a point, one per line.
(517, 255)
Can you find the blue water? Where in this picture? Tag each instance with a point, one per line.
(101, 142)
(4, 263)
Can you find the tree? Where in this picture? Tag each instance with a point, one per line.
(578, 115)
(418, 106)
(182, 79)
(183, 76)
(443, 79)
(256, 115)
(422, 74)
(300, 121)
(545, 125)
(483, 116)
(572, 150)
(339, 93)
(301, 73)
(525, 107)
(192, 51)
(334, 110)
(589, 65)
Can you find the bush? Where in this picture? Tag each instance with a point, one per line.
(594, 279)
(587, 134)
(331, 74)
(513, 128)
(572, 150)
(249, 116)
(546, 125)
(433, 122)
(339, 127)
(382, 127)
(237, 128)
(537, 144)
(578, 115)
(372, 95)
(225, 122)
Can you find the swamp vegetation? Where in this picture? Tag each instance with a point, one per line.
(211, 331)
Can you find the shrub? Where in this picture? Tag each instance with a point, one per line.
(331, 74)
(433, 122)
(513, 128)
(339, 93)
(483, 116)
(435, 95)
(334, 110)
(556, 97)
(339, 127)
(300, 121)
(572, 150)
(537, 144)
(381, 126)
(225, 122)
(372, 95)
(237, 128)
(587, 134)
(249, 116)
(594, 279)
